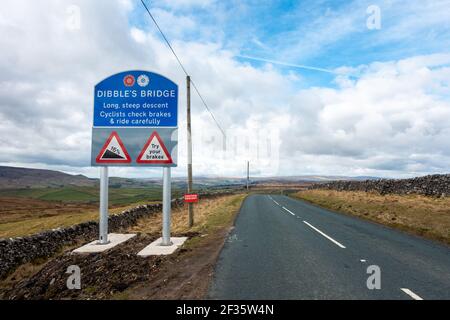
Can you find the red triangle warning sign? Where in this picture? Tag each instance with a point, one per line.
(113, 151)
(154, 151)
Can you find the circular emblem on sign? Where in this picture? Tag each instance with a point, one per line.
(129, 81)
(143, 80)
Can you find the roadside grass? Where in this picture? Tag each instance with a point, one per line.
(210, 215)
(170, 279)
(420, 215)
(117, 196)
(42, 223)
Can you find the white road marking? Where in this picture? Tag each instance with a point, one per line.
(411, 294)
(276, 202)
(289, 211)
(326, 236)
(363, 260)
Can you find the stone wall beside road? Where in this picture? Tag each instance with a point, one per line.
(433, 185)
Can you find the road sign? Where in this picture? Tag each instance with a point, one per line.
(191, 198)
(134, 140)
(136, 99)
(154, 151)
(129, 107)
(113, 151)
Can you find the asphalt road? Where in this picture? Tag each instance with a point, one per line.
(282, 248)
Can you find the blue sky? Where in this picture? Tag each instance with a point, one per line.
(326, 33)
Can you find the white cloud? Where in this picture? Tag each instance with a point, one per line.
(393, 119)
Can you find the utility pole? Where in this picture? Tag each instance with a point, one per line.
(248, 174)
(189, 141)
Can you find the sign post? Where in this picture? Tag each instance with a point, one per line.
(135, 125)
(166, 207)
(103, 225)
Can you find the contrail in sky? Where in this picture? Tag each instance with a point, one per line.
(289, 64)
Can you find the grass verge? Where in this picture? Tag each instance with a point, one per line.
(23, 224)
(188, 273)
(420, 215)
(210, 215)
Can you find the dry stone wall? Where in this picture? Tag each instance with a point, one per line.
(433, 185)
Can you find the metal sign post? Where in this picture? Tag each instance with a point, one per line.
(167, 204)
(103, 226)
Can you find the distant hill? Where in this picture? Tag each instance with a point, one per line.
(19, 178)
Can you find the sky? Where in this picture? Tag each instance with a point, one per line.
(354, 88)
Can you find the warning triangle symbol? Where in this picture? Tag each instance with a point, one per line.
(113, 151)
(154, 151)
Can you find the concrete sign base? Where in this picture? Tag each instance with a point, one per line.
(114, 240)
(156, 249)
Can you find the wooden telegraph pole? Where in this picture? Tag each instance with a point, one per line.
(189, 141)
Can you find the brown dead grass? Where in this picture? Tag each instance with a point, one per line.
(209, 213)
(424, 216)
(19, 217)
(19, 209)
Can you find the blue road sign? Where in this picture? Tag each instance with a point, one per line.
(136, 99)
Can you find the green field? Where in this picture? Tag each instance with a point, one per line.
(32, 210)
(117, 196)
(28, 211)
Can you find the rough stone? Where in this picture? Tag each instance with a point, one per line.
(433, 185)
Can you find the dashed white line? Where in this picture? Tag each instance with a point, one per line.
(288, 211)
(276, 202)
(326, 236)
(411, 294)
